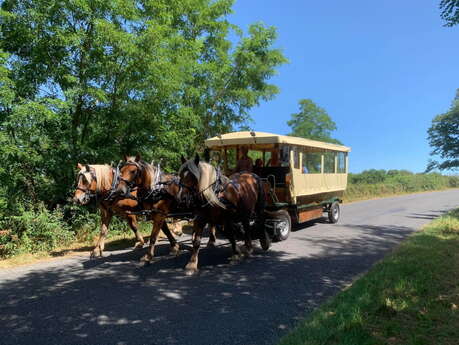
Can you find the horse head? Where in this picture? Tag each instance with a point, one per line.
(86, 184)
(134, 173)
(197, 181)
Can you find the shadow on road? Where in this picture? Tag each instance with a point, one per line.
(118, 300)
(430, 215)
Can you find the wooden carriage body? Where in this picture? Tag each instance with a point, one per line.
(306, 176)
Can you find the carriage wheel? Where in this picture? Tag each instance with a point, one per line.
(284, 225)
(334, 212)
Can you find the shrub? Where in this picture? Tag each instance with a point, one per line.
(34, 230)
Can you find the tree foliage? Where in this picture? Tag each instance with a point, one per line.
(450, 12)
(90, 80)
(312, 122)
(443, 136)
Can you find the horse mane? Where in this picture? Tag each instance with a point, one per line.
(150, 171)
(208, 176)
(103, 176)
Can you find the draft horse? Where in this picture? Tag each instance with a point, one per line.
(219, 200)
(156, 192)
(95, 181)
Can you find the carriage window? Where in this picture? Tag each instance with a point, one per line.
(255, 154)
(312, 163)
(267, 158)
(296, 158)
(342, 162)
(329, 162)
(285, 156)
(215, 158)
(230, 160)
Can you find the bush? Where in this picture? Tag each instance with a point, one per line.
(34, 230)
(373, 183)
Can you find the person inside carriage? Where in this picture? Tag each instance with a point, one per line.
(245, 163)
(257, 168)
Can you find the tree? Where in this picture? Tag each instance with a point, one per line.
(312, 122)
(450, 12)
(443, 137)
(90, 80)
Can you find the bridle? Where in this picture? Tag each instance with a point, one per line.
(87, 192)
(196, 194)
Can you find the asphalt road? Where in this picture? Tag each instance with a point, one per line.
(118, 300)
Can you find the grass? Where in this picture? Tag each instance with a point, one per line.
(360, 192)
(114, 242)
(409, 298)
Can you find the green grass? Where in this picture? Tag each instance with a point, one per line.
(361, 187)
(411, 297)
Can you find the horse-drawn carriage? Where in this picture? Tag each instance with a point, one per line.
(294, 180)
(306, 178)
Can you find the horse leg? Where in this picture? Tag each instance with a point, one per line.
(212, 238)
(247, 237)
(106, 217)
(175, 248)
(132, 221)
(192, 265)
(229, 231)
(156, 227)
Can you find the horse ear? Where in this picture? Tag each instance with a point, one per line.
(196, 159)
(125, 157)
(88, 169)
(183, 159)
(137, 157)
(206, 155)
(79, 166)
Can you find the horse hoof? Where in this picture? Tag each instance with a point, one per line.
(191, 272)
(175, 251)
(138, 245)
(248, 251)
(235, 258)
(146, 258)
(191, 269)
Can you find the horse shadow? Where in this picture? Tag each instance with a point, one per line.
(118, 299)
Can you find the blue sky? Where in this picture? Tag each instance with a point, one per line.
(382, 70)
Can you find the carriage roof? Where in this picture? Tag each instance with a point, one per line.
(253, 138)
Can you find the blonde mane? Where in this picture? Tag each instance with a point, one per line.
(150, 172)
(208, 176)
(103, 175)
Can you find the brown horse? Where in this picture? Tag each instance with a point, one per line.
(156, 191)
(225, 201)
(96, 181)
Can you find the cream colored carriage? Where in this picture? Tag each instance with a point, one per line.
(306, 177)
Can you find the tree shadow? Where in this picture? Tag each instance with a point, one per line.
(119, 300)
(428, 215)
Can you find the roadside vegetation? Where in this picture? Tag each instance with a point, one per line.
(409, 298)
(379, 183)
(40, 230)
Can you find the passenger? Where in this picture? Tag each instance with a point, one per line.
(244, 163)
(258, 166)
